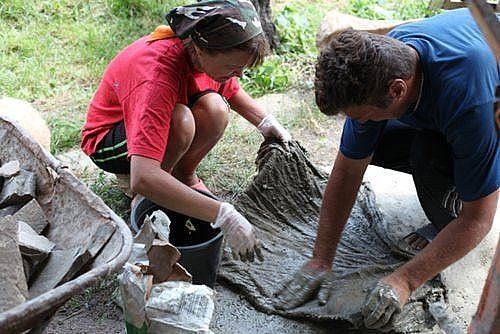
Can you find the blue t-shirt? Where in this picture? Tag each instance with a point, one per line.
(458, 93)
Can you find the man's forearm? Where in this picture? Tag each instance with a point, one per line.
(338, 200)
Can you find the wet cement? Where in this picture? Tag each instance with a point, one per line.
(283, 204)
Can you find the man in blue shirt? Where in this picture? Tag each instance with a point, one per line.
(419, 100)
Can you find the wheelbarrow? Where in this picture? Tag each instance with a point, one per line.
(78, 218)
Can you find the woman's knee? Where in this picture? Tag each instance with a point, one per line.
(182, 126)
(211, 113)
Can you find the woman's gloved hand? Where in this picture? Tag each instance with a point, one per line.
(239, 232)
(270, 127)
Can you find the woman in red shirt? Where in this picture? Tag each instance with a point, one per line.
(163, 104)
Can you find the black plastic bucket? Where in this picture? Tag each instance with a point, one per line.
(199, 244)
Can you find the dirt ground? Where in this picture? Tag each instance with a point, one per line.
(95, 312)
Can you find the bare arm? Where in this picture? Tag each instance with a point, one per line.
(458, 238)
(148, 179)
(247, 107)
(340, 194)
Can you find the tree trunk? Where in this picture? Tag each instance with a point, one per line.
(264, 9)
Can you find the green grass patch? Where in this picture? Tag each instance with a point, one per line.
(106, 188)
(296, 26)
(230, 165)
(65, 133)
(57, 50)
(273, 76)
(53, 54)
(390, 9)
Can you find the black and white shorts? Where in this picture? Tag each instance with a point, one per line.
(111, 153)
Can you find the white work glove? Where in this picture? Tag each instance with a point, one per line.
(270, 127)
(239, 232)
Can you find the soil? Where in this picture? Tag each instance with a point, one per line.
(94, 311)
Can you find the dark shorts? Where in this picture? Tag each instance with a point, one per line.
(427, 156)
(111, 153)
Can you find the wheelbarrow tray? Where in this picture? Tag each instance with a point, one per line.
(78, 218)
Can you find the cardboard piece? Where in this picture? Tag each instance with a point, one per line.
(162, 257)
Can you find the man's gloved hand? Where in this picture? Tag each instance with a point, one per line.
(270, 127)
(239, 232)
(305, 283)
(381, 305)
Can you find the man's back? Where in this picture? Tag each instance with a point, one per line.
(460, 75)
(460, 72)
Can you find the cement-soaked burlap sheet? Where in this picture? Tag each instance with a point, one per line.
(283, 203)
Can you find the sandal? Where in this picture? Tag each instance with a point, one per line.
(414, 242)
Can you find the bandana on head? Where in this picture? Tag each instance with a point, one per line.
(216, 24)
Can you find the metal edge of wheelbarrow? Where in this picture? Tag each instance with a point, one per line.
(34, 311)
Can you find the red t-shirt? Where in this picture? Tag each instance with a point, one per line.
(141, 86)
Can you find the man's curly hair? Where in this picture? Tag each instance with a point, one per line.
(355, 69)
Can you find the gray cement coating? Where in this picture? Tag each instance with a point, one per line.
(234, 314)
(283, 204)
(398, 203)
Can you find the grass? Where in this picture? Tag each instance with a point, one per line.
(53, 53)
(100, 293)
(296, 24)
(229, 166)
(105, 187)
(65, 133)
(390, 9)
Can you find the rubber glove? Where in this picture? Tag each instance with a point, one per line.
(239, 232)
(270, 127)
(381, 305)
(303, 286)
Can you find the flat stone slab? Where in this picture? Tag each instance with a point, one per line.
(9, 211)
(34, 248)
(61, 266)
(100, 238)
(13, 288)
(33, 215)
(18, 189)
(9, 169)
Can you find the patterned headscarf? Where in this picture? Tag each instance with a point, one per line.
(216, 24)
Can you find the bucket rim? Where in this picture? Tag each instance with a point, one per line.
(204, 244)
